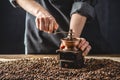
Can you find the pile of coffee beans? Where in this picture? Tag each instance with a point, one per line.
(49, 69)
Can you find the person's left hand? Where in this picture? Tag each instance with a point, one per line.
(83, 45)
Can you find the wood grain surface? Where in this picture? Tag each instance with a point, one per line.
(17, 57)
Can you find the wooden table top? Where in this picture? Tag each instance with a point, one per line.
(22, 56)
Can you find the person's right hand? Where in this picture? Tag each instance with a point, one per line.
(46, 22)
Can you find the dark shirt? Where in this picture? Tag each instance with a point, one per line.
(95, 30)
(37, 41)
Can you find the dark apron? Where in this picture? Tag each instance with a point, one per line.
(40, 42)
(95, 31)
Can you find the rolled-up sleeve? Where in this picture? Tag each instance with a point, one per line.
(13, 2)
(83, 8)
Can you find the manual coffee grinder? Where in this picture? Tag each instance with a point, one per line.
(70, 56)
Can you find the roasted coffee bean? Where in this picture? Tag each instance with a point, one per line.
(49, 69)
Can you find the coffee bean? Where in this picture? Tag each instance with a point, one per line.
(49, 69)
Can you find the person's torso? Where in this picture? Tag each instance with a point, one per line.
(38, 41)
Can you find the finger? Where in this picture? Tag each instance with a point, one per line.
(87, 50)
(78, 43)
(62, 46)
(82, 42)
(84, 46)
(46, 24)
(51, 26)
(42, 24)
(55, 26)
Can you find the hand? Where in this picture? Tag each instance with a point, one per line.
(46, 22)
(83, 45)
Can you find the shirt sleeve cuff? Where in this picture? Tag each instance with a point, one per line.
(13, 2)
(84, 9)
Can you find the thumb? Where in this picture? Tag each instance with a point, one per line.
(62, 46)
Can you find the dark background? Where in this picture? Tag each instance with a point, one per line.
(11, 28)
(12, 22)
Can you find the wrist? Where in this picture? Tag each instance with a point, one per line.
(77, 24)
(42, 13)
(73, 34)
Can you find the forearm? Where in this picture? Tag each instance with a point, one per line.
(31, 6)
(77, 24)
